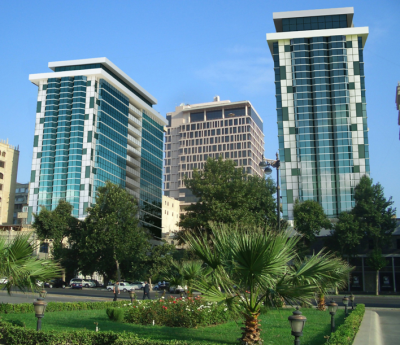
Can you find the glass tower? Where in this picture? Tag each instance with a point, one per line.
(95, 124)
(321, 107)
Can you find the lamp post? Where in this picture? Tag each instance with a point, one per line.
(132, 295)
(297, 322)
(40, 307)
(42, 294)
(332, 307)
(352, 298)
(266, 165)
(345, 301)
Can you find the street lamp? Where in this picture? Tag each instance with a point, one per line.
(266, 165)
(42, 294)
(40, 307)
(297, 322)
(345, 301)
(332, 307)
(352, 298)
(132, 295)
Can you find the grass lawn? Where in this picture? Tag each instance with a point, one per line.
(275, 326)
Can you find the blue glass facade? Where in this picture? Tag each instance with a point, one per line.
(321, 121)
(151, 175)
(112, 133)
(61, 156)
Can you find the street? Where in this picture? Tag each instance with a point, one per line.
(69, 295)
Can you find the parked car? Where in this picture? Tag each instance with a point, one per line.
(96, 283)
(55, 283)
(123, 286)
(161, 286)
(76, 285)
(84, 282)
(138, 285)
(3, 281)
(177, 289)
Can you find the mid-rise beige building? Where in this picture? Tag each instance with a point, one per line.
(231, 130)
(170, 217)
(9, 156)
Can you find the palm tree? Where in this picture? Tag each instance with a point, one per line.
(187, 272)
(253, 268)
(21, 268)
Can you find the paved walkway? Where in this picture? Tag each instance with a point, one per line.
(380, 326)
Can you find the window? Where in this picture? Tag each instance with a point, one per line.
(1, 164)
(1, 176)
(44, 248)
(1, 186)
(3, 154)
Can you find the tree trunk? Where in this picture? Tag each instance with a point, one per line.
(251, 331)
(118, 271)
(321, 302)
(377, 283)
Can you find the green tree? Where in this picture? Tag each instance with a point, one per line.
(373, 212)
(55, 225)
(309, 219)
(252, 267)
(225, 193)
(376, 261)
(65, 232)
(346, 235)
(112, 231)
(158, 259)
(21, 268)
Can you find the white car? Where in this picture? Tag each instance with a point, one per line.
(123, 286)
(138, 285)
(85, 283)
(177, 289)
(3, 281)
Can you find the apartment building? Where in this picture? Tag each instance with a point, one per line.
(95, 124)
(196, 132)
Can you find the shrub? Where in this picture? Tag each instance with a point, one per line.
(14, 335)
(115, 314)
(346, 332)
(177, 312)
(24, 308)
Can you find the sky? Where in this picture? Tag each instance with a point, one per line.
(188, 52)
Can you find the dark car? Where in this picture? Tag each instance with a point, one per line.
(55, 283)
(95, 281)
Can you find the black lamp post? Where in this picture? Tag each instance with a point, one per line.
(332, 307)
(42, 294)
(346, 303)
(40, 307)
(266, 165)
(297, 322)
(352, 298)
(132, 295)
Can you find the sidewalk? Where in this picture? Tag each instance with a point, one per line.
(380, 326)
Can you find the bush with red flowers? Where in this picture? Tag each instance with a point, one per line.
(177, 312)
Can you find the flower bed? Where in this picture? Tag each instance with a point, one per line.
(177, 312)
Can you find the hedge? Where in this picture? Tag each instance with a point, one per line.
(346, 332)
(14, 335)
(25, 308)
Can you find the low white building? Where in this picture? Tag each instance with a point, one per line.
(170, 218)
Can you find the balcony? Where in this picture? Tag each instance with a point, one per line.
(134, 141)
(132, 182)
(135, 110)
(132, 192)
(132, 161)
(132, 171)
(134, 130)
(135, 120)
(133, 152)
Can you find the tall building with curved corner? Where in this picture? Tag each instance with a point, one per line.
(398, 104)
(95, 124)
(321, 107)
(195, 132)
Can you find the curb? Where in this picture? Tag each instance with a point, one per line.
(370, 330)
